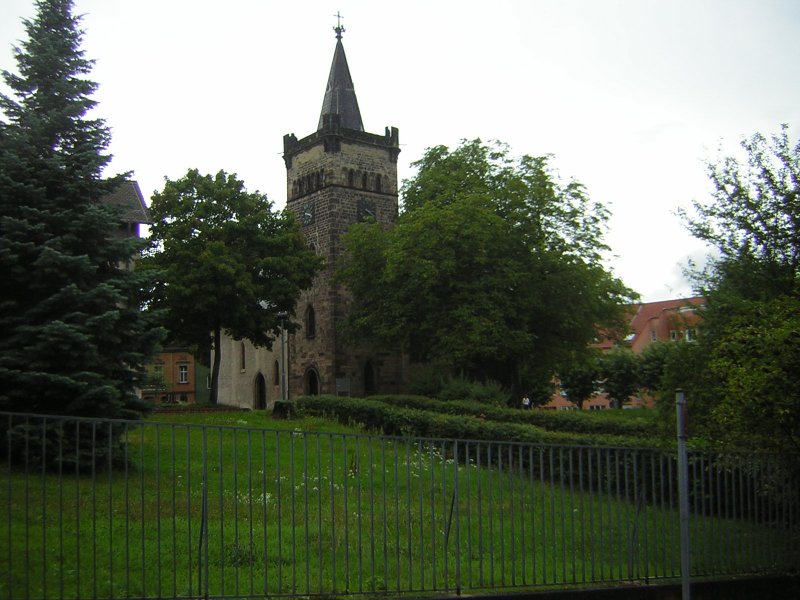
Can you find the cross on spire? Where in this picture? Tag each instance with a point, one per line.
(339, 29)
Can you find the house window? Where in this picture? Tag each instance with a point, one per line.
(673, 335)
(691, 335)
(183, 373)
(653, 336)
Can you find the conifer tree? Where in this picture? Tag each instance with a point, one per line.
(72, 337)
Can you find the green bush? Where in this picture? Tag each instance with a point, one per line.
(425, 381)
(458, 388)
(411, 416)
(640, 424)
(428, 381)
(455, 388)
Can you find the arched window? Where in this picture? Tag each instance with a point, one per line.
(319, 179)
(242, 352)
(377, 183)
(351, 178)
(260, 393)
(311, 323)
(276, 373)
(364, 181)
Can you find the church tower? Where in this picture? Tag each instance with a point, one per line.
(335, 177)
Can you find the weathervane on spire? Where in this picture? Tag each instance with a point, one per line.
(339, 29)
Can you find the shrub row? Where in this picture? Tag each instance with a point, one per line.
(563, 421)
(195, 408)
(390, 418)
(631, 471)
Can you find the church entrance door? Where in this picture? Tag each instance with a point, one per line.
(312, 383)
(369, 379)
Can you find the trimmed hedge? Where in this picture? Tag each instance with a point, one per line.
(196, 408)
(393, 418)
(562, 458)
(564, 421)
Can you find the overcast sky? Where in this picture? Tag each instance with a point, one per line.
(630, 96)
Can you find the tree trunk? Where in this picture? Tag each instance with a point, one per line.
(215, 367)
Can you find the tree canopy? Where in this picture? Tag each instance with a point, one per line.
(227, 262)
(754, 212)
(619, 369)
(72, 338)
(581, 381)
(750, 336)
(493, 271)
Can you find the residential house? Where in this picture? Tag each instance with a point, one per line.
(172, 378)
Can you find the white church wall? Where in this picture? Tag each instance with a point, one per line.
(240, 367)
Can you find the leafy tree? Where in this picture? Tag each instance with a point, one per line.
(685, 366)
(72, 338)
(620, 372)
(581, 381)
(756, 359)
(538, 387)
(753, 215)
(653, 364)
(493, 271)
(752, 288)
(228, 262)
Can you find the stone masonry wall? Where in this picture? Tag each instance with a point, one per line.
(333, 182)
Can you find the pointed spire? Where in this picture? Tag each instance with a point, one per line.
(340, 95)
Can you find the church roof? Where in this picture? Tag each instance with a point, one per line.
(340, 95)
(129, 198)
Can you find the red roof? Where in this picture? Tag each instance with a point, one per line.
(654, 321)
(659, 317)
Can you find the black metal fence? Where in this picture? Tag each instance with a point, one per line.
(116, 509)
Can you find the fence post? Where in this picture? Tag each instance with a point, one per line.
(683, 493)
(202, 548)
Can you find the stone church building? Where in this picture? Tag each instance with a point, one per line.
(335, 177)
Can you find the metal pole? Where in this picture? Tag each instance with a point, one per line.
(683, 493)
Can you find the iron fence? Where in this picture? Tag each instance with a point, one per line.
(117, 509)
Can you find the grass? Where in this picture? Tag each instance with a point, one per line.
(314, 507)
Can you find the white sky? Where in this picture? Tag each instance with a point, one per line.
(631, 96)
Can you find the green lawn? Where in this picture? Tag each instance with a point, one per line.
(314, 507)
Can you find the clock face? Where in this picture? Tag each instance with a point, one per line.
(366, 210)
(307, 214)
